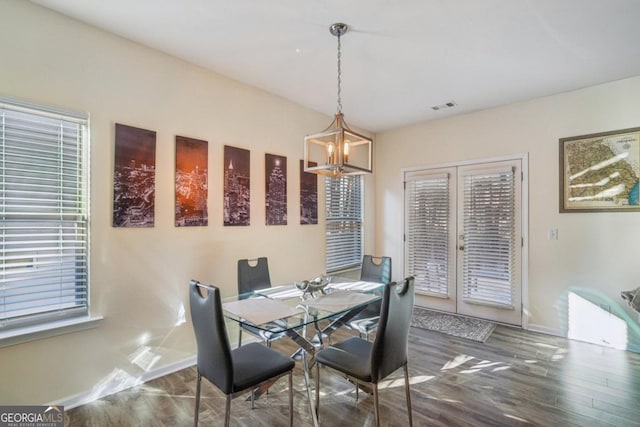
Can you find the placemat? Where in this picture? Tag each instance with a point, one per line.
(260, 310)
(355, 286)
(339, 300)
(280, 292)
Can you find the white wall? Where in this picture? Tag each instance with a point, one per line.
(139, 276)
(596, 254)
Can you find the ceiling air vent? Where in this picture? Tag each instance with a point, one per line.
(444, 106)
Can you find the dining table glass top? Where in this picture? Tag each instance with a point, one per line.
(286, 307)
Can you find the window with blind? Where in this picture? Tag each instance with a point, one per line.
(343, 196)
(427, 232)
(44, 213)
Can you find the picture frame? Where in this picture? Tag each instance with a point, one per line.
(134, 177)
(600, 172)
(275, 178)
(191, 182)
(236, 195)
(308, 195)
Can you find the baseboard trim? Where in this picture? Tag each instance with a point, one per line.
(546, 330)
(98, 393)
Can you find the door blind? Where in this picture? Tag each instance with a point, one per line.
(343, 196)
(44, 213)
(427, 233)
(489, 227)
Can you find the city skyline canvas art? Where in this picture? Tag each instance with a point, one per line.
(275, 172)
(237, 181)
(191, 182)
(308, 195)
(134, 177)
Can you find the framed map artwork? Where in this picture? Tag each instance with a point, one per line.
(600, 172)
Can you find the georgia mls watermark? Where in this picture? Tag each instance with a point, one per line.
(31, 416)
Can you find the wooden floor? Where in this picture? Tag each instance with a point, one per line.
(515, 378)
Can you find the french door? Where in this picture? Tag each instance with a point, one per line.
(463, 239)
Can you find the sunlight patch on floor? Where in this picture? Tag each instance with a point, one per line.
(399, 382)
(117, 380)
(460, 359)
(432, 397)
(486, 364)
(543, 345)
(513, 417)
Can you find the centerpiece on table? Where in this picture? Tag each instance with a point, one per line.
(311, 288)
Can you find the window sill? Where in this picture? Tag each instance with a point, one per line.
(47, 330)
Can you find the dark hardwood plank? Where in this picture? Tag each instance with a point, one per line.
(515, 378)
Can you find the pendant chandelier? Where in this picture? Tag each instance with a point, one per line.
(337, 150)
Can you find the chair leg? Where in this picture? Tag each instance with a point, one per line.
(317, 390)
(357, 390)
(253, 399)
(291, 398)
(406, 382)
(198, 383)
(239, 335)
(376, 404)
(227, 411)
(319, 334)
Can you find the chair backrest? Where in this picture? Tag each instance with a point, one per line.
(253, 275)
(214, 352)
(390, 347)
(376, 269)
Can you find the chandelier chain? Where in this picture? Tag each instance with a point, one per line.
(339, 75)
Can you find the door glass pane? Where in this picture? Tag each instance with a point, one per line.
(489, 237)
(427, 232)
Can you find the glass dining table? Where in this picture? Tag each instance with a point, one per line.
(288, 310)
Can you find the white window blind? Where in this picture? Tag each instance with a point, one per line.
(427, 232)
(44, 213)
(489, 239)
(343, 196)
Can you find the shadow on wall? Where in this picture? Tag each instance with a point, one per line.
(589, 315)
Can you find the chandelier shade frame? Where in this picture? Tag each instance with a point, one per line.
(338, 150)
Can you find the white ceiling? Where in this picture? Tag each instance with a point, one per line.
(399, 58)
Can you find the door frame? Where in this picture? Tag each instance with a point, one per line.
(524, 159)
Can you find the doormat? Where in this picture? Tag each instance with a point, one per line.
(457, 326)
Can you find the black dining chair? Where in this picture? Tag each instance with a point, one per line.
(237, 371)
(368, 362)
(374, 269)
(253, 275)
